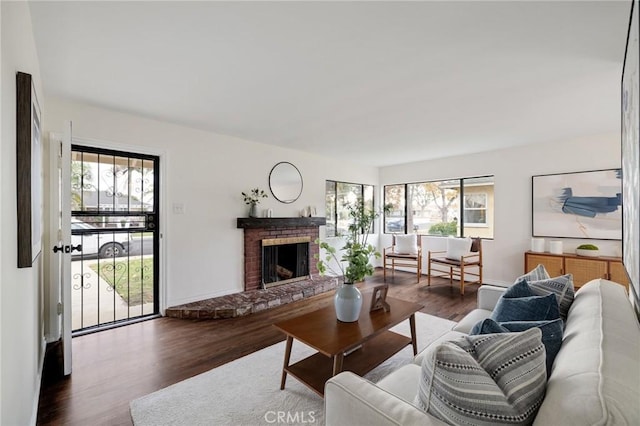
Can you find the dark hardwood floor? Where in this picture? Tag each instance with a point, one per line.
(113, 367)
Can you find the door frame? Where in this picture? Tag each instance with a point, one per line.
(54, 330)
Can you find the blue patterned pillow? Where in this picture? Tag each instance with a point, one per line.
(531, 308)
(551, 333)
(484, 380)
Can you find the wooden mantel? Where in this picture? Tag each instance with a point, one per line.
(280, 222)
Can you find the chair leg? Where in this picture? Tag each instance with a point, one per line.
(384, 268)
(462, 279)
(429, 272)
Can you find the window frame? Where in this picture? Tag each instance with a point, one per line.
(361, 197)
(461, 207)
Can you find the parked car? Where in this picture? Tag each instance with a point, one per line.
(394, 225)
(104, 245)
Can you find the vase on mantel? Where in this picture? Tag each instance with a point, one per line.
(348, 302)
(253, 210)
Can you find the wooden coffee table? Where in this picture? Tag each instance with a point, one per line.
(368, 341)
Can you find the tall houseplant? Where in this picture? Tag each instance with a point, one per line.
(356, 254)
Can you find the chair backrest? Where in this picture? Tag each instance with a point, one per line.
(418, 239)
(476, 245)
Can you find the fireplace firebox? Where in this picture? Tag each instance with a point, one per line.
(285, 260)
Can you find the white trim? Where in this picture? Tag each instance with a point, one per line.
(36, 401)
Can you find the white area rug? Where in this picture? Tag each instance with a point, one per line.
(247, 391)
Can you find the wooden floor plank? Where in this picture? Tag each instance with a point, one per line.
(113, 367)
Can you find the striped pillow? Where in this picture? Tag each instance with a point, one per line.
(485, 380)
(537, 273)
(561, 286)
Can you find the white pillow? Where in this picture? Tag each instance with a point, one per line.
(458, 247)
(407, 244)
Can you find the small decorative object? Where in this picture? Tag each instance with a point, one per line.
(252, 199)
(588, 250)
(379, 298)
(537, 245)
(555, 247)
(357, 253)
(348, 303)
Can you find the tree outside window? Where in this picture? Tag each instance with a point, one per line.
(339, 195)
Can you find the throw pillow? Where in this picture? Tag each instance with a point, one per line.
(537, 273)
(551, 333)
(458, 247)
(407, 244)
(561, 286)
(533, 308)
(484, 380)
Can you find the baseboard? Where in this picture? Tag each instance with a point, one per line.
(36, 402)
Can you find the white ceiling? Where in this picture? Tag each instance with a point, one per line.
(375, 82)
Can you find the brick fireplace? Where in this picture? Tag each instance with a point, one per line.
(258, 229)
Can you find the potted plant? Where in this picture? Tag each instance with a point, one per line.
(356, 254)
(253, 199)
(589, 250)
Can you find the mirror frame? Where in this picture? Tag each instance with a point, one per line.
(271, 178)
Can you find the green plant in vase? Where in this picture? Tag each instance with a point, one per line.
(356, 253)
(252, 199)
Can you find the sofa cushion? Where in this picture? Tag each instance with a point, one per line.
(595, 378)
(403, 382)
(551, 333)
(472, 318)
(489, 379)
(537, 273)
(561, 286)
(532, 308)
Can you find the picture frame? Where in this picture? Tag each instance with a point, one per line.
(630, 150)
(379, 298)
(584, 205)
(29, 171)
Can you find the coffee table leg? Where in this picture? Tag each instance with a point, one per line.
(337, 363)
(287, 357)
(414, 342)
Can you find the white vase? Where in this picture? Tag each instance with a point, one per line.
(348, 303)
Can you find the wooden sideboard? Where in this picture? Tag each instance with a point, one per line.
(584, 269)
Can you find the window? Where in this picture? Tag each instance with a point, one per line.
(338, 196)
(458, 207)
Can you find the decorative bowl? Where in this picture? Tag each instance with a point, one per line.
(588, 253)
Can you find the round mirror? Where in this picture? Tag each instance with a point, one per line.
(285, 182)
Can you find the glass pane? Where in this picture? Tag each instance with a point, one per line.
(435, 207)
(347, 193)
(478, 207)
(330, 208)
(144, 187)
(394, 200)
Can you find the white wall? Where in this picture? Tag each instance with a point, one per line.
(206, 172)
(513, 168)
(21, 329)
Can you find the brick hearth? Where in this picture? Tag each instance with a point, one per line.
(250, 302)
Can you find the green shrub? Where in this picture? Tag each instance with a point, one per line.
(444, 228)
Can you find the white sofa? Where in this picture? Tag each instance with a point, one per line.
(595, 379)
